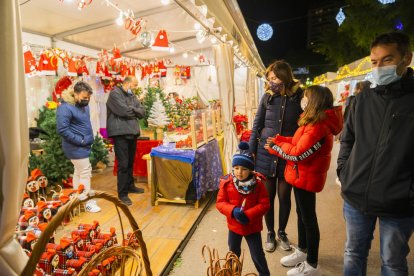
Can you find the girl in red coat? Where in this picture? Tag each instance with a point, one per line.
(243, 199)
(308, 155)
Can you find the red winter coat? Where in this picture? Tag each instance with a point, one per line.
(257, 204)
(308, 152)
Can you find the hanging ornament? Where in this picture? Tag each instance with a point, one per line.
(340, 17)
(46, 65)
(384, 2)
(117, 54)
(72, 71)
(145, 39)
(83, 3)
(30, 68)
(161, 42)
(264, 32)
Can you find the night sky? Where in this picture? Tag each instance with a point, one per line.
(288, 19)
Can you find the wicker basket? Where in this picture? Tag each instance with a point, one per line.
(133, 261)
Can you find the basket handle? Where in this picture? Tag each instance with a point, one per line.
(64, 212)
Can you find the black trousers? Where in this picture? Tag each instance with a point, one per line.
(125, 155)
(308, 228)
(254, 241)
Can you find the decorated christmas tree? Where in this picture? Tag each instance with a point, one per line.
(53, 163)
(158, 117)
(99, 152)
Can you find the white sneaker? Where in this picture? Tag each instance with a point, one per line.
(293, 259)
(338, 182)
(304, 269)
(92, 207)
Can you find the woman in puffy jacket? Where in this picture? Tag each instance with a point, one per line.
(277, 113)
(308, 155)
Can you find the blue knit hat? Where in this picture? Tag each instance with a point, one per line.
(244, 158)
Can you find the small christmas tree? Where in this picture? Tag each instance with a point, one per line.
(99, 153)
(53, 162)
(158, 117)
(149, 100)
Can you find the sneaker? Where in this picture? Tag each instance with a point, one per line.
(293, 259)
(135, 190)
(303, 269)
(283, 241)
(126, 200)
(92, 207)
(270, 244)
(338, 182)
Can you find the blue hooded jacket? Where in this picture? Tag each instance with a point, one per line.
(74, 126)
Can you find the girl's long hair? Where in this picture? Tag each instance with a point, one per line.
(320, 98)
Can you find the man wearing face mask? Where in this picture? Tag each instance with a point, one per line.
(375, 162)
(123, 112)
(74, 126)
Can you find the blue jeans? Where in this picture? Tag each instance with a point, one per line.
(394, 236)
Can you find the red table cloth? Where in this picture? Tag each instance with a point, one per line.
(140, 166)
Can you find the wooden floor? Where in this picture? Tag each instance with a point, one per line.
(164, 226)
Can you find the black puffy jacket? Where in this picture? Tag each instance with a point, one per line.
(123, 112)
(268, 123)
(375, 162)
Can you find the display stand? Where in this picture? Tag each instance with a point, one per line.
(183, 176)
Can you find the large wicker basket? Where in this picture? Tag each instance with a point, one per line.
(134, 259)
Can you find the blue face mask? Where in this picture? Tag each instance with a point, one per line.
(129, 91)
(385, 75)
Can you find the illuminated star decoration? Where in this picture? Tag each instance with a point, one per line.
(340, 17)
(384, 2)
(264, 32)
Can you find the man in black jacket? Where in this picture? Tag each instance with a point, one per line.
(123, 112)
(375, 162)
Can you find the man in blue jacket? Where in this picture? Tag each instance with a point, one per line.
(375, 162)
(123, 112)
(74, 126)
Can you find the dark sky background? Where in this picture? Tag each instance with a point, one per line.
(288, 19)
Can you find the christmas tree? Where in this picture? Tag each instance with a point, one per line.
(149, 100)
(157, 116)
(53, 162)
(99, 153)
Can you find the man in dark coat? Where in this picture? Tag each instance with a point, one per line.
(375, 162)
(123, 112)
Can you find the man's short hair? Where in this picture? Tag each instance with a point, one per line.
(82, 86)
(129, 79)
(402, 40)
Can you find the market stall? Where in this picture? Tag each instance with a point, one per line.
(195, 54)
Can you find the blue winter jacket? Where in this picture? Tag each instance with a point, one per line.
(276, 114)
(75, 128)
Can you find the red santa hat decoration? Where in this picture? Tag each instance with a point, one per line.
(30, 68)
(161, 42)
(61, 86)
(47, 63)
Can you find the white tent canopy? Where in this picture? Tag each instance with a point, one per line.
(60, 24)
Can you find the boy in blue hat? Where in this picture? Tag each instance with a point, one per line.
(243, 199)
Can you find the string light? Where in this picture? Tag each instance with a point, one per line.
(197, 26)
(120, 20)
